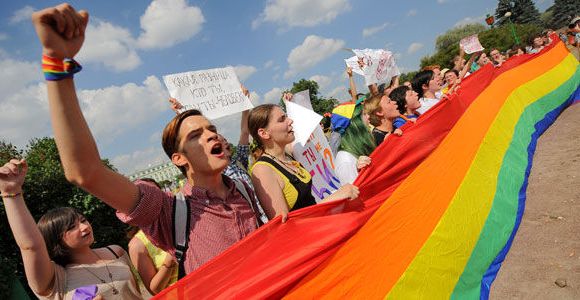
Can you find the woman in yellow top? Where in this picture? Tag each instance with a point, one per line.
(156, 267)
(281, 183)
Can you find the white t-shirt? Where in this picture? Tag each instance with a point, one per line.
(345, 164)
(426, 104)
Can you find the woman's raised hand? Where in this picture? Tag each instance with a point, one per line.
(12, 176)
(61, 30)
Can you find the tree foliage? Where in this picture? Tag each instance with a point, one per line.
(499, 37)
(562, 12)
(320, 104)
(45, 188)
(523, 12)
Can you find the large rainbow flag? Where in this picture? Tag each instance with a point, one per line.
(438, 210)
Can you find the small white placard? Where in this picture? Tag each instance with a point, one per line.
(214, 92)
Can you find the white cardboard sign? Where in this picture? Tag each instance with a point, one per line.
(471, 44)
(315, 155)
(376, 65)
(214, 92)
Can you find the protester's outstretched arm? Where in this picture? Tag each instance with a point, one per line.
(374, 89)
(244, 131)
(352, 85)
(39, 269)
(61, 32)
(467, 66)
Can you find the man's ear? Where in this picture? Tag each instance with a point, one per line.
(263, 134)
(179, 159)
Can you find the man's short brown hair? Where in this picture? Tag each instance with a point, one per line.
(171, 139)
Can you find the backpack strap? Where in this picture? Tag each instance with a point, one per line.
(181, 215)
(241, 187)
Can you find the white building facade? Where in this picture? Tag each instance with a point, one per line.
(165, 171)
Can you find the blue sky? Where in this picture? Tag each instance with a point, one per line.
(131, 44)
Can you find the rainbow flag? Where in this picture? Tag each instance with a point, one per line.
(438, 210)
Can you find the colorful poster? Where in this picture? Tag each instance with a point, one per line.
(215, 92)
(315, 155)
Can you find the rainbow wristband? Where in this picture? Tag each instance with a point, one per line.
(55, 69)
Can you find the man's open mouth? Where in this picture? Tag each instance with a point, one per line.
(217, 149)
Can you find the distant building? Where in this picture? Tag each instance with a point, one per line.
(165, 171)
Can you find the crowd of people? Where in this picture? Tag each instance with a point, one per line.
(226, 198)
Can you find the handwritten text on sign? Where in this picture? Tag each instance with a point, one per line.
(471, 44)
(315, 155)
(215, 92)
(376, 65)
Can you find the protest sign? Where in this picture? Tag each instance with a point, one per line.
(471, 44)
(308, 121)
(315, 155)
(376, 65)
(215, 92)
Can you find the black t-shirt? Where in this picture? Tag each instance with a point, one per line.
(379, 135)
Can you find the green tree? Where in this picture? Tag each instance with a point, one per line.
(320, 104)
(447, 44)
(7, 152)
(499, 37)
(563, 12)
(523, 12)
(45, 188)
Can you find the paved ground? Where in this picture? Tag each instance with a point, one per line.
(546, 248)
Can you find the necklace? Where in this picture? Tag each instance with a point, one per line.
(110, 284)
(292, 165)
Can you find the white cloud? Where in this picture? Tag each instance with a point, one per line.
(442, 1)
(412, 13)
(162, 26)
(114, 110)
(301, 13)
(3, 36)
(469, 20)
(273, 96)
(255, 98)
(414, 47)
(313, 50)
(340, 93)
(244, 72)
(22, 14)
(323, 81)
(15, 75)
(109, 45)
(25, 115)
(268, 64)
(168, 22)
(372, 30)
(397, 55)
(139, 160)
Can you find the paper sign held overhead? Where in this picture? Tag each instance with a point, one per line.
(471, 44)
(376, 65)
(214, 92)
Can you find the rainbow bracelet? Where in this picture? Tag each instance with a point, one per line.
(55, 69)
